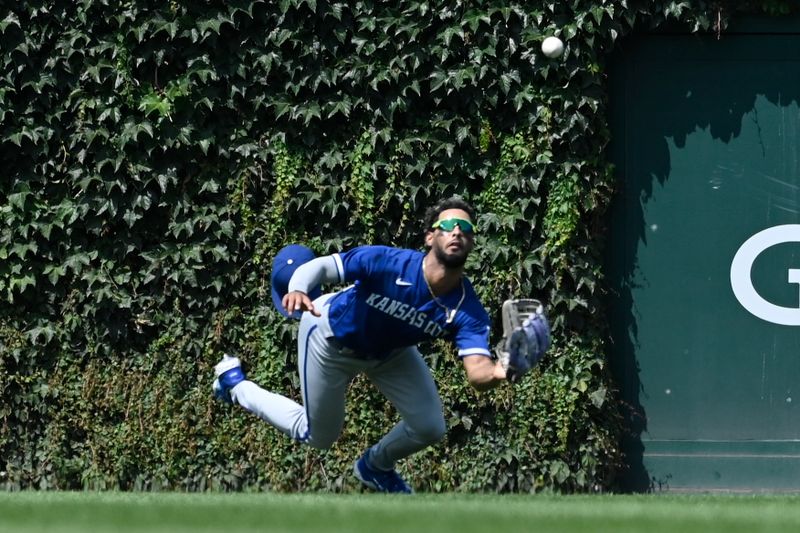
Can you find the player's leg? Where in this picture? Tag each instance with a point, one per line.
(407, 382)
(324, 376)
(323, 380)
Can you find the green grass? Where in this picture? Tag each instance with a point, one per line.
(84, 512)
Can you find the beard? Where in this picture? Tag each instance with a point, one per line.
(455, 260)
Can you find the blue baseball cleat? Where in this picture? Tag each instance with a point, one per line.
(378, 479)
(229, 374)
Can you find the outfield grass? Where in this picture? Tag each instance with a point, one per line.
(84, 512)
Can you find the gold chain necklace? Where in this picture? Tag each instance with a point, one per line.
(449, 313)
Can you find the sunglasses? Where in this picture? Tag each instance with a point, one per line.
(449, 224)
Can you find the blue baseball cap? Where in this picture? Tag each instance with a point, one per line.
(285, 263)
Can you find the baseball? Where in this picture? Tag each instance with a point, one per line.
(552, 47)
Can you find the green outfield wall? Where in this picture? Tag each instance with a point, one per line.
(705, 255)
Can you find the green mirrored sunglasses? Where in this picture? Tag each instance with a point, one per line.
(449, 224)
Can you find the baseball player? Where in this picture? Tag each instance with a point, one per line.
(395, 299)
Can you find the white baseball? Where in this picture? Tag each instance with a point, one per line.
(552, 47)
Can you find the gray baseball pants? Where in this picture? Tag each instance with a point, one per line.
(326, 370)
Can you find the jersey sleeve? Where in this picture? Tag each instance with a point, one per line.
(359, 262)
(310, 275)
(472, 338)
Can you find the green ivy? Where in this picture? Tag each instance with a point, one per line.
(563, 211)
(286, 171)
(496, 198)
(360, 186)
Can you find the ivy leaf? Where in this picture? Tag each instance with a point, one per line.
(22, 283)
(35, 334)
(209, 24)
(77, 261)
(54, 273)
(130, 217)
(312, 111)
(21, 249)
(205, 144)
(18, 199)
(153, 103)
(598, 397)
(462, 132)
(336, 11)
(163, 182)
(11, 19)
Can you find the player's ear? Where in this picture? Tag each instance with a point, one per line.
(428, 239)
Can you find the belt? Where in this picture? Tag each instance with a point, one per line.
(344, 350)
(355, 354)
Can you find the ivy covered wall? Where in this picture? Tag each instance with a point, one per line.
(154, 156)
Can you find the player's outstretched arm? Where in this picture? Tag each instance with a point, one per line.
(312, 274)
(483, 373)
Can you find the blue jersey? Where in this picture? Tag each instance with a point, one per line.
(389, 305)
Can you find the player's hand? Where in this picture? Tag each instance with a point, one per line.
(298, 301)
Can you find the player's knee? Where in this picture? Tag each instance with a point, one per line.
(432, 430)
(320, 442)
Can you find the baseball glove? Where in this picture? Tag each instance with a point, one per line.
(526, 337)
